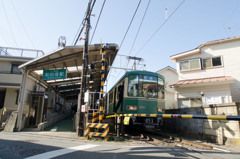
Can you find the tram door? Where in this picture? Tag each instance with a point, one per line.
(37, 108)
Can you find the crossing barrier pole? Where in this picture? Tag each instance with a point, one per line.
(183, 116)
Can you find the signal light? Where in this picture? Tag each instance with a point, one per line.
(92, 66)
(91, 76)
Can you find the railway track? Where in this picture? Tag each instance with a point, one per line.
(161, 139)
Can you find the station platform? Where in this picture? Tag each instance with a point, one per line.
(61, 126)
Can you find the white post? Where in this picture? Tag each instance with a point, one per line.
(20, 106)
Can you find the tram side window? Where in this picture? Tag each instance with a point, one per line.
(111, 97)
(160, 88)
(148, 86)
(133, 85)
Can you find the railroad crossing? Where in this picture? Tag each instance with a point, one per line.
(68, 59)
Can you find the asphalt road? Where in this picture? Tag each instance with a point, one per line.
(65, 145)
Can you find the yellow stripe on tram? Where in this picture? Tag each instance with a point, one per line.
(217, 117)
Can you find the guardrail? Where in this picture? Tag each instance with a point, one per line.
(20, 52)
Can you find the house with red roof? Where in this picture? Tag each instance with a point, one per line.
(208, 74)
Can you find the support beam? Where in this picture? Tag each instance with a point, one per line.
(20, 106)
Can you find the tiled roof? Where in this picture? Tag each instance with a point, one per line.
(203, 80)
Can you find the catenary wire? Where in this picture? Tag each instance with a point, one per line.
(228, 18)
(130, 23)
(125, 35)
(139, 27)
(82, 24)
(98, 20)
(160, 27)
(25, 30)
(9, 24)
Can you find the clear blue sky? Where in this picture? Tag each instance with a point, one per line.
(38, 24)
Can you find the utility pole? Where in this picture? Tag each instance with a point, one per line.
(83, 88)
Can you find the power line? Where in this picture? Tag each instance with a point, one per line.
(126, 33)
(83, 22)
(228, 18)
(98, 20)
(22, 25)
(140, 26)
(130, 23)
(160, 27)
(9, 24)
(4, 36)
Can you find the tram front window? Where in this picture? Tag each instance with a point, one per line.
(148, 86)
(145, 86)
(133, 86)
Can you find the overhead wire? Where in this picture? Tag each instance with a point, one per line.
(140, 27)
(228, 18)
(97, 21)
(160, 27)
(5, 37)
(9, 24)
(23, 25)
(130, 23)
(126, 34)
(82, 24)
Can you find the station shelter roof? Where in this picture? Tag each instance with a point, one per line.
(70, 58)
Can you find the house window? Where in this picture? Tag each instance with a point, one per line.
(15, 69)
(189, 102)
(212, 62)
(190, 64)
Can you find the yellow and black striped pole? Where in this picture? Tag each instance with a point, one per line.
(102, 84)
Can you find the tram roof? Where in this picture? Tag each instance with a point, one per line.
(70, 58)
(129, 73)
(137, 72)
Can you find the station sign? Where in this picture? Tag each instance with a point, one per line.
(54, 74)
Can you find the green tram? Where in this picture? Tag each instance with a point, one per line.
(138, 92)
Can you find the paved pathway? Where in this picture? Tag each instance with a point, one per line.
(66, 145)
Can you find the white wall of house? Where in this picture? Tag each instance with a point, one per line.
(230, 53)
(5, 66)
(212, 94)
(170, 77)
(11, 98)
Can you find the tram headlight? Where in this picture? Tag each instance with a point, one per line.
(160, 109)
(131, 107)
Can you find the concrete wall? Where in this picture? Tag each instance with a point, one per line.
(219, 131)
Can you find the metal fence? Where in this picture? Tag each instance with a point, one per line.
(20, 52)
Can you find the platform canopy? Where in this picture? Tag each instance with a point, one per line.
(69, 58)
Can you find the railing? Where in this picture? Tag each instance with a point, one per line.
(20, 52)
